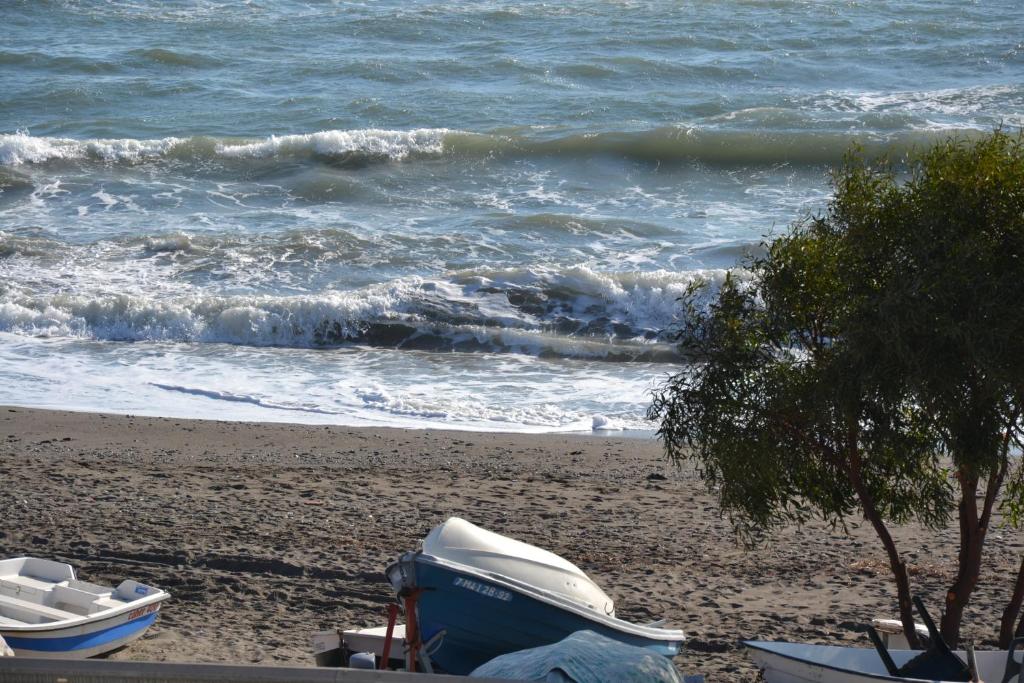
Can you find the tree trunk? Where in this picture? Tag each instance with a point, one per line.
(972, 539)
(973, 531)
(899, 573)
(896, 563)
(1006, 632)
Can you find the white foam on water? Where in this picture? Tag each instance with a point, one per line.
(962, 105)
(359, 387)
(241, 398)
(601, 423)
(22, 148)
(393, 144)
(318, 320)
(377, 397)
(641, 299)
(255, 321)
(134, 290)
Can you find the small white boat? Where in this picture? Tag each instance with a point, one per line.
(46, 611)
(802, 663)
(938, 663)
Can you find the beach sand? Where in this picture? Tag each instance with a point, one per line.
(265, 533)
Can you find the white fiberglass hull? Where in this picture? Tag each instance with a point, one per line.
(802, 663)
(83, 640)
(46, 611)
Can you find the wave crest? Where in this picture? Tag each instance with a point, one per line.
(386, 144)
(573, 312)
(355, 147)
(21, 148)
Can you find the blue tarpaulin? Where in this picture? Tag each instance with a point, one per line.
(583, 657)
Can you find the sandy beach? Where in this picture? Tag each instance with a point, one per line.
(265, 533)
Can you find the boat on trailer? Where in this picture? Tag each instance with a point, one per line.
(45, 610)
(476, 595)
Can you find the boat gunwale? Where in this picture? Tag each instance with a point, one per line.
(88, 619)
(551, 598)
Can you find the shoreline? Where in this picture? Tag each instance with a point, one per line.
(624, 433)
(266, 532)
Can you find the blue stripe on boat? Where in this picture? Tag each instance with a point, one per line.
(83, 641)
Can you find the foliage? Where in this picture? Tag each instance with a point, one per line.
(872, 360)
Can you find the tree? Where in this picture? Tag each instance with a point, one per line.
(872, 360)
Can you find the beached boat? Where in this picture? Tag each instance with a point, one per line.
(46, 611)
(938, 663)
(479, 595)
(800, 663)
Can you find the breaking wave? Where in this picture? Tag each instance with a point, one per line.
(357, 147)
(22, 148)
(574, 312)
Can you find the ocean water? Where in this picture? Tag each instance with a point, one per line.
(473, 215)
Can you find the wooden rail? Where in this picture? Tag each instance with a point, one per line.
(42, 670)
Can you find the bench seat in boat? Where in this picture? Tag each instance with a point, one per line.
(35, 608)
(28, 581)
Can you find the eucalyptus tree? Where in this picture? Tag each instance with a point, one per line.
(871, 362)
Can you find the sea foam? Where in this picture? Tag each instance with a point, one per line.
(713, 144)
(23, 148)
(573, 312)
(391, 144)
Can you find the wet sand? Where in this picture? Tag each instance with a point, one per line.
(265, 533)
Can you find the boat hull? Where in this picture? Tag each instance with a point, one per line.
(89, 639)
(802, 663)
(484, 617)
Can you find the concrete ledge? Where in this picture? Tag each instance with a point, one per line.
(43, 670)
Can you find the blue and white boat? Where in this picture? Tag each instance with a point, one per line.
(46, 611)
(480, 595)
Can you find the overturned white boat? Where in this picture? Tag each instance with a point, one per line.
(479, 595)
(46, 611)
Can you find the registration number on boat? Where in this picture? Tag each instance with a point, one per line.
(483, 589)
(143, 611)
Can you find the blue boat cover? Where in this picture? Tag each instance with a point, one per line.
(583, 657)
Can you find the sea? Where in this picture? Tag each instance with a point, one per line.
(469, 215)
